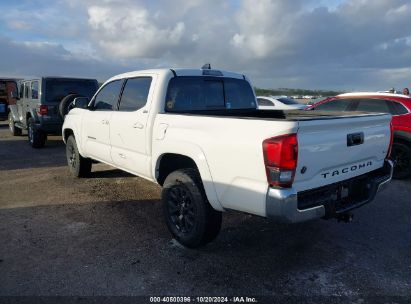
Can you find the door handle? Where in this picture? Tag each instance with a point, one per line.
(138, 125)
(104, 122)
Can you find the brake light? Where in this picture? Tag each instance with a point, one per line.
(280, 158)
(43, 110)
(391, 141)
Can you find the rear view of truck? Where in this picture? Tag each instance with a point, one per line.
(334, 163)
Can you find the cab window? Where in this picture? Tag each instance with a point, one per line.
(107, 98)
(135, 94)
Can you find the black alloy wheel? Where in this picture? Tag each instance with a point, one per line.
(191, 219)
(181, 208)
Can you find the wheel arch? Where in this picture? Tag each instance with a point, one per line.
(171, 161)
(402, 136)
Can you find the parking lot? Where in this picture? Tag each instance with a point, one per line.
(105, 235)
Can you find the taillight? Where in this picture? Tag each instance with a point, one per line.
(43, 110)
(391, 141)
(280, 158)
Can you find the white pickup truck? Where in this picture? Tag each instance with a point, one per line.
(198, 134)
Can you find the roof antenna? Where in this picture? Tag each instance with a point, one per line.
(207, 66)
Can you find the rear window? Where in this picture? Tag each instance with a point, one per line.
(57, 89)
(187, 93)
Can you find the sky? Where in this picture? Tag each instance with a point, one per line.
(351, 45)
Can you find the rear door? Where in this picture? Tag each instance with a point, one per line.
(129, 129)
(96, 122)
(334, 149)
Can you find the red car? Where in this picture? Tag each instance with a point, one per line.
(400, 108)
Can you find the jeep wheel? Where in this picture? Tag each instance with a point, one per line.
(78, 165)
(189, 216)
(12, 126)
(65, 103)
(37, 138)
(401, 155)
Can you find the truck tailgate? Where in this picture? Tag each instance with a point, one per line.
(334, 149)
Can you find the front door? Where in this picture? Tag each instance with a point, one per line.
(129, 126)
(96, 122)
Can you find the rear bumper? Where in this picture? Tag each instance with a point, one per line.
(286, 205)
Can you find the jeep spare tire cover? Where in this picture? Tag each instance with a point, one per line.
(65, 103)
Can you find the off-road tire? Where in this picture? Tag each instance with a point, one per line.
(37, 138)
(12, 126)
(65, 103)
(401, 155)
(78, 165)
(189, 216)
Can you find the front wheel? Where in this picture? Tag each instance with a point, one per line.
(401, 155)
(189, 216)
(12, 126)
(78, 165)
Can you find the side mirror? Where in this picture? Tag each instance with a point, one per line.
(14, 95)
(80, 102)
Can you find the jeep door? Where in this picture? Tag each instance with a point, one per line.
(129, 128)
(96, 122)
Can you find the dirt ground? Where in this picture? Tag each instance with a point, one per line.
(105, 236)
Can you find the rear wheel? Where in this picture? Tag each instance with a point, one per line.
(12, 126)
(78, 165)
(189, 216)
(37, 138)
(401, 155)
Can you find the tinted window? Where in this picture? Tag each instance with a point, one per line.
(398, 108)
(264, 102)
(107, 98)
(373, 105)
(35, 90)
(135, 94)
(208, 93)
(334, 105)
(26, 90)
(57, 89)
(288, 101)
(21, 90)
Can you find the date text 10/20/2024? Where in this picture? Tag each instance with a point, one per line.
(203, 300)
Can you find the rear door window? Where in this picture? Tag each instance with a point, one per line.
(34, 90)
(373, 105)
(26, 89)
(135, 94)
(334, 105)
(188, 93)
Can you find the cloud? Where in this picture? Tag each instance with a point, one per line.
(132, 32)
(349, 44)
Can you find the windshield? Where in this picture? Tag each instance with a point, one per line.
(288, 101)
(196, 93)
(57, 89)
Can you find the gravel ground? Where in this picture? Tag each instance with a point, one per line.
(105, 236)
